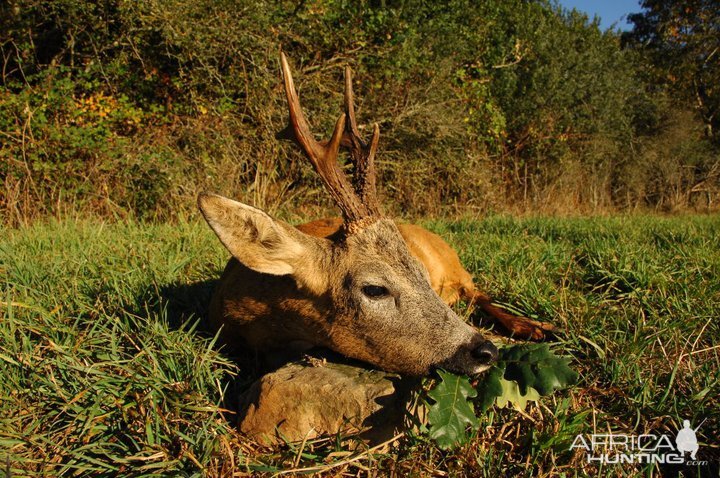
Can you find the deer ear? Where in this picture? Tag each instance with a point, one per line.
(255, 239)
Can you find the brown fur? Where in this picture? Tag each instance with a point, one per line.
(363, 286)
(310, 306)
(287, 290)
(447, 276)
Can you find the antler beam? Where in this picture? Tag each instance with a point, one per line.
(358, 202)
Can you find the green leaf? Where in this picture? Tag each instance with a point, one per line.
(490, 387)
(523, 373)
(451, 413)
(511, 395)
(536, 366)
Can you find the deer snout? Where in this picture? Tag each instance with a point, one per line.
(479, 356)
(486, 353)
(473, 357)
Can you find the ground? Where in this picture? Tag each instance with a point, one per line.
(106, 367)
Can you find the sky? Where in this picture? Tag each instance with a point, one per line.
(609, 11)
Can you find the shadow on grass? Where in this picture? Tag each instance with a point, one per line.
(187, 304)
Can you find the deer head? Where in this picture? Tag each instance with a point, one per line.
(359, 292)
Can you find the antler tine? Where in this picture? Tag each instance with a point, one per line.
(314, 150)
(323, 157)
(362, 154)
(352, 128)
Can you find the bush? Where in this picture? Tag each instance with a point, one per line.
(131, 108)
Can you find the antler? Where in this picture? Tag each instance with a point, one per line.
(362, 154)
(358, 202)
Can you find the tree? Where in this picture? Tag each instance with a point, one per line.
(682, 40)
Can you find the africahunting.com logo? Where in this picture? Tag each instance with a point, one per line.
(646, 448)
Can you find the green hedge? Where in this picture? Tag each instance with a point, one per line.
(131, 107)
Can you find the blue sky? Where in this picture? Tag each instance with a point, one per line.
(609, 11)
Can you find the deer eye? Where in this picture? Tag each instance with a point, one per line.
(375, 291)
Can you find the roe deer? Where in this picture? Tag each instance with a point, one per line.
(361, 285)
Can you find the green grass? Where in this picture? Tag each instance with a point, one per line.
(104, 371)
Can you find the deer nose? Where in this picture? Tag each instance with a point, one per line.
(486, 353)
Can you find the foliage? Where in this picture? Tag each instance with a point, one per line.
(451, 414)
(131, 108)
(512, 396)
(492, 387)
(535, 366)
(681, 40)
(677, 50)
(522, 373)
(525, 373)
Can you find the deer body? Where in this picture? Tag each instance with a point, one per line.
(361, 285)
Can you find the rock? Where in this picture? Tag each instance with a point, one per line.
(305, 400)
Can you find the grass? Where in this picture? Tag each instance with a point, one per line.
(105, 368)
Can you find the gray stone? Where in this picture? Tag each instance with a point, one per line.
(304, 400)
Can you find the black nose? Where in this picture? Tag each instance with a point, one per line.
(486, 353)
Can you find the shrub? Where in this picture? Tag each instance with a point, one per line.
(130, 108)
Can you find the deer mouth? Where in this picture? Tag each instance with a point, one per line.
(479, 369)
(466, 369)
